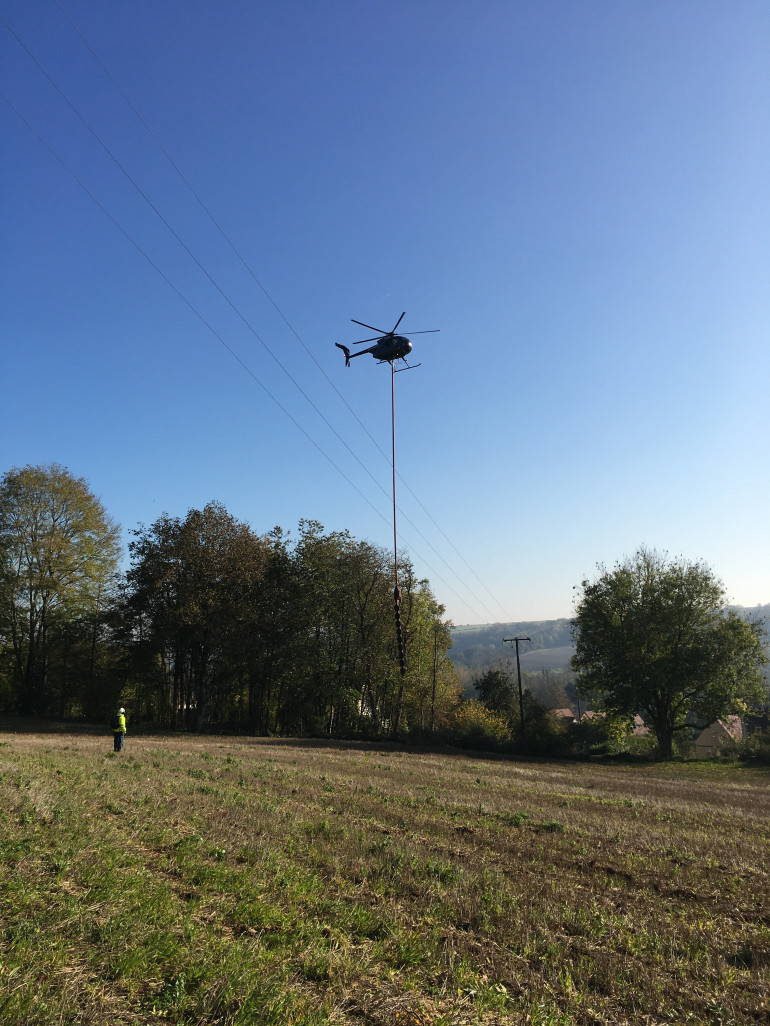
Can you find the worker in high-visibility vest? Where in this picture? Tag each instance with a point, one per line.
(119, 729)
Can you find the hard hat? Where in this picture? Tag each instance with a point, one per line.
(121, 710)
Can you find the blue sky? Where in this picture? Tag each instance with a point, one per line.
(575, 193)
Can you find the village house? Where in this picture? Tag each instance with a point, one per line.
(640, 728)
(719, 737)
(563, 715)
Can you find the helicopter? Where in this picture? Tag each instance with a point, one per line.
(388, 346)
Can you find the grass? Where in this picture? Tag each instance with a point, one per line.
(211, 881)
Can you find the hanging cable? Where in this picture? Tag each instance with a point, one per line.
(250, 327)
(270, 299)
(216, 335)
(216, 285)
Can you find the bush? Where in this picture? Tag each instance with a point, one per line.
(543, 734)
(755, 748)
(609, 737)
(475, 726)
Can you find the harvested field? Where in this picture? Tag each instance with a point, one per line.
(233, 881)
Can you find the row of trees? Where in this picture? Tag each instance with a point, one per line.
(211, 622)
(214, 623)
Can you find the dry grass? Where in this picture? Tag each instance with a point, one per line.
(237, 882)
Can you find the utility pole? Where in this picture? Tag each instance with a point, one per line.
(518, 674)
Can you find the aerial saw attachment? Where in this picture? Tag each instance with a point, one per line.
(388, 347)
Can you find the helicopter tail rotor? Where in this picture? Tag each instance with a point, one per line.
(346, 351)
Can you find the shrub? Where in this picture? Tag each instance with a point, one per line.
(608, 737)
(543, 734)
(478, 727)
(755, 748)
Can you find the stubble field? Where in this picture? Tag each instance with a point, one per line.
(234, 881)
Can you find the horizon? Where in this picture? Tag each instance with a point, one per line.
(556, 619)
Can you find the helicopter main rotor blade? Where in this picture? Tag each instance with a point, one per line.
(398, 322)
(430, 331)
(371, 326)
(362, 340)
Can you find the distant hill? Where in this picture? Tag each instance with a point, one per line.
(546, 658)
(479, 647)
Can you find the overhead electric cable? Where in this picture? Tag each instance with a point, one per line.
(250, 327)
(220, 229)
(192, 256)
(214, 332)
(270, 299)
(186, 301)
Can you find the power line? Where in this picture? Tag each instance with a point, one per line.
(232, 305)
(216, 285)
(270, 299)
(185, 300)
(215, 333)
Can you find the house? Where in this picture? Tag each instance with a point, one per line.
(640, 728)
(564, 716)
(718, 737)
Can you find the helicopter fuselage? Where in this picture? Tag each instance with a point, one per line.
(388, 346)
(389, 349)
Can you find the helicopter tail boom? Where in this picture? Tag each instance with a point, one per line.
(346, 351)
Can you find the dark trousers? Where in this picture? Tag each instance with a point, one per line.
(119, 735)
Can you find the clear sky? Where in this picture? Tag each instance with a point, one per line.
(576, 193)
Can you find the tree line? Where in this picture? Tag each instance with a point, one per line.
(215, 625)
(211, 624)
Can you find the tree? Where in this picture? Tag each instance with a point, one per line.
(479, 727)
(653, 637)
(431, 682)
(193, 585)
(496, 690)
(58, 558)
(347, 649)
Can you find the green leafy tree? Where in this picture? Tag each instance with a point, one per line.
(345, 644)
(278, 637)
(192, 590)
(58, 558)
(541, 733)
(496, 690)
(272, 641)
(431, 681)
(653, 637)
